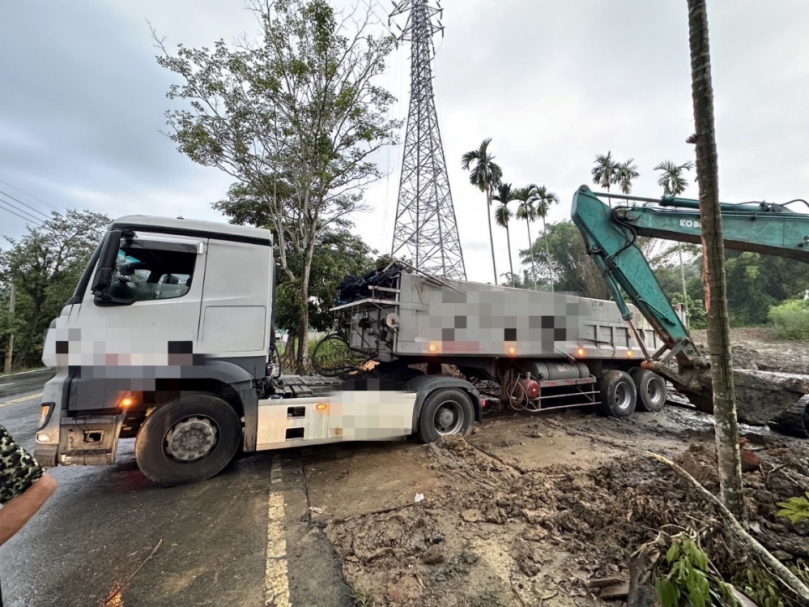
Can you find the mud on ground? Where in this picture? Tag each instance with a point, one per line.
(530, 510)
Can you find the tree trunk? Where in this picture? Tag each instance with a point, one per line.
(510, 263)
(491, 234)
(548, 251)
(303, 330)
(531, 248)
(713, 250)
(685, 293)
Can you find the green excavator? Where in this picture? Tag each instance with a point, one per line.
(610, 230)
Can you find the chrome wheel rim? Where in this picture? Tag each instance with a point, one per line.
(191, 439)
(656, 392)
(623, 397)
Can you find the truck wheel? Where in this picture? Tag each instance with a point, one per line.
(445, 412)
(618, 394)
(188, 440)
(651, 389)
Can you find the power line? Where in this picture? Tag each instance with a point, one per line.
(20, 210)
(31, 195)
(20, 216)
(24, 204)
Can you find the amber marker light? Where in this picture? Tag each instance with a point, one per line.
(127, 401)
(433, 347)
(512, 350)
(321, 406)
(580, 351)
(630, 354)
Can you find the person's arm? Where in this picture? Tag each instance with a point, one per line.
(17, 512)
(24, 487)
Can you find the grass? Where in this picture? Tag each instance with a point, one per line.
(362, 597)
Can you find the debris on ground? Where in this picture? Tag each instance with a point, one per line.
(551, 510)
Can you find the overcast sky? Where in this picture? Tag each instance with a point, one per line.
(553, 83)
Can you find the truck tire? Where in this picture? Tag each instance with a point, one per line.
(618, 394)
(188, 440)
(446, 411)
(651, 389)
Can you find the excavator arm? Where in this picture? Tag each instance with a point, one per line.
(610, 231)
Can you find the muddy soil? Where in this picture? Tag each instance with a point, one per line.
(530, 510)
(758, 348)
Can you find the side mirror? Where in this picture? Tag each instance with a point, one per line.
(106, 261)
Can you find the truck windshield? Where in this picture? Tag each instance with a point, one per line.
(149, 270)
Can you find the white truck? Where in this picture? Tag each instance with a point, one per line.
(168, 338)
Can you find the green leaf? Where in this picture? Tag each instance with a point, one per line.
(667, 592)
(673, 553)
(697, 598)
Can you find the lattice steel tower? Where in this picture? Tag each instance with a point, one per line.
(425, 230)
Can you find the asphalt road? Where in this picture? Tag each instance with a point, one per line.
(108, 537)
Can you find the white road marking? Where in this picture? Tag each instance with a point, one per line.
(277, 578)
(22, 399)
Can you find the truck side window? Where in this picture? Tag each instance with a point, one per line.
(147, 271)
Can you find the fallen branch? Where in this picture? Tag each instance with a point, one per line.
(120, 588)
(735, 529)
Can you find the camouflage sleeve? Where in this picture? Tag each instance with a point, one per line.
(18, 470)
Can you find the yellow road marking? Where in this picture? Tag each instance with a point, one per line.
(21, 399)
(277, 575)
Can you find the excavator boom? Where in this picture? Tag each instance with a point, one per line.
(610, 231)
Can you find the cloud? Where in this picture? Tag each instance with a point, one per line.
(553, 83)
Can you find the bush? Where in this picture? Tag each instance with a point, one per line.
(791, 319)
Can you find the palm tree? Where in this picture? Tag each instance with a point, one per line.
(674, 184)
(605, 171)
(671, 177)
(626, 173)
(528, 212)
(542, 200)
(716, 302)
(502, 215)
(485, 175)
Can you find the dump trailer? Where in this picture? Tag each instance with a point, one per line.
(168, 338)
(610, 225)
(540, 349)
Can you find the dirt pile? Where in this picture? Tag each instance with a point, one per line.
(518, 537)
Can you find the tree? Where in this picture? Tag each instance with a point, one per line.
(502, 216)
(45, 266)
(485, 175)
(627, 172)
(606, 171)
(673, 183)
(562, 257)
(338, 253)
(528, 213)
(542, 200)
(724, 398)
(294, 118)
(671, 177)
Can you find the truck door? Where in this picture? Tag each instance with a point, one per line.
(152, 311)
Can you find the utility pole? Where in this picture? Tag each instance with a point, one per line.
(425, 229)
(10, 348)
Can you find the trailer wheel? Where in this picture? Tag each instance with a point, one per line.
(618, 394)
(445, 412)
(651, 389)
(188, 440)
